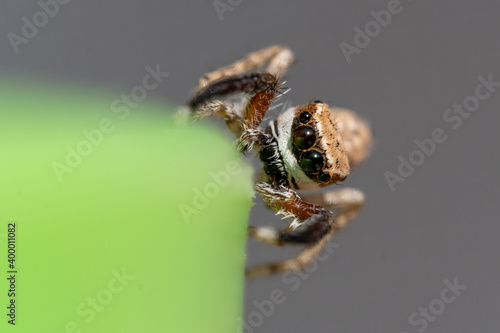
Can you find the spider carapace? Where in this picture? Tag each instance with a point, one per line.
(307, 147)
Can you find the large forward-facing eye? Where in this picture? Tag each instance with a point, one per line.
(304, 137)
(311, 161)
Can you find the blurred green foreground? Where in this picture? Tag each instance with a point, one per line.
(124, 221)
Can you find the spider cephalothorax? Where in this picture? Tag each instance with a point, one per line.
(311, 146)
(306, 147)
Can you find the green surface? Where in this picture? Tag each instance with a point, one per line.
(118, 238)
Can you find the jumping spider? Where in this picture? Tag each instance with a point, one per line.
(307, 147)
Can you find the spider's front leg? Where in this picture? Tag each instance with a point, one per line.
(310, 221)
(278, 58)
(261, 86)
(231, 79)
(312, 225)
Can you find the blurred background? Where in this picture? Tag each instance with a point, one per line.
(423, 254)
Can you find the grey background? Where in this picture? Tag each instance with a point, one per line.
(441, 223)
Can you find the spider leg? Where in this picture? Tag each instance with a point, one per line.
(279, 58)
(311, 222)
(316, 230)
(230, 80)
(261, 86)
(346, 201)
(301, 261)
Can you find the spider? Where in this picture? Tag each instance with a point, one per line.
(307, 147)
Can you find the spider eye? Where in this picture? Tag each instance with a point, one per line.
(324, 177)
(305, 117)
(318, 101)
(304, 137)
(311, 161)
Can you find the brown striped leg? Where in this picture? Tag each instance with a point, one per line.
(226, 110)
(347, 201)
(254, 113)
(262, 86)
(310, 222)
(278, 57)
(302, 260)
(229, 80)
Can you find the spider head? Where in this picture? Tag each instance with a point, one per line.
(311, 146)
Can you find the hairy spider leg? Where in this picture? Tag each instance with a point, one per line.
(261, 86)
(279, 58)
(316, 229)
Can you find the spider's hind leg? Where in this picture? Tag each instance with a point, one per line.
(300, 262)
